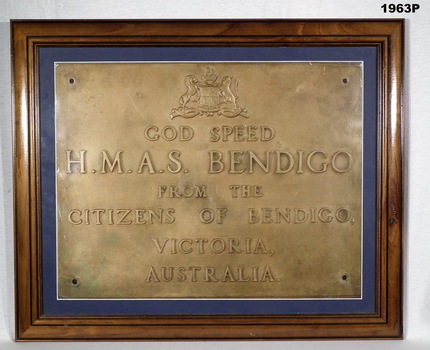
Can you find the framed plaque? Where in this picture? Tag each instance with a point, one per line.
(208, 179)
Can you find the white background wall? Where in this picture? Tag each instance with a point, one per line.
(417, 113)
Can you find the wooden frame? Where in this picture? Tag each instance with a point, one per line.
(33, 324)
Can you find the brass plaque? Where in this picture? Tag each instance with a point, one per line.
(209, 180)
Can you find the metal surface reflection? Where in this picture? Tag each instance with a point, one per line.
(214, 180)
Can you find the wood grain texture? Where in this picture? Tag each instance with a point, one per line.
(386, 35)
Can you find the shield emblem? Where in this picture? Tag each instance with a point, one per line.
(209, 96)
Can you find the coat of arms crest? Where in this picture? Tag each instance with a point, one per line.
(209, 96)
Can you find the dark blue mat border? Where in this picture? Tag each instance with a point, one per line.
(52, 306)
